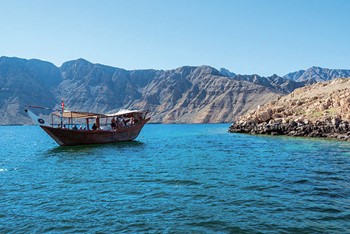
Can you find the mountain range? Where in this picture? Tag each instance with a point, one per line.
(188, 94)
(317, 74)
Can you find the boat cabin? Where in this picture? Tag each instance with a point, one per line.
(93, 121)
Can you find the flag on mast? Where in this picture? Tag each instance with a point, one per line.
(62, 105)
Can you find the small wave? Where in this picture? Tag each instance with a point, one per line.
(322, 189)
(3, 169)
(302, 181)
(335, 178)
(173, 182)
(259, 187)
(330, 210)
(181, 182)
(319, 172)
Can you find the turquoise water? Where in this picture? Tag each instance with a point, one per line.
(174, 179)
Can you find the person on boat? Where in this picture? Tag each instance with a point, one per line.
(121, 122)
(136, 118)
(113, 124)
(94, 127)
(125, 121)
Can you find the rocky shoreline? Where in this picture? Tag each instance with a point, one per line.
(329, 128)
(319, 110)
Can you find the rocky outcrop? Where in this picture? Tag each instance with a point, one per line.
(329, 128)
(319, 110)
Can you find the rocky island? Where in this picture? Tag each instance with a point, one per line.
(318, 110)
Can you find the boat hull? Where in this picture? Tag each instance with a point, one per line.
(69, 137)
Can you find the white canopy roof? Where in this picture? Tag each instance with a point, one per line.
(86, 115)
(124, 112)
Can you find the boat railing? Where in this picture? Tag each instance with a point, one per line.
(104, 126)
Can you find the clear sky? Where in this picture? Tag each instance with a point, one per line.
(248, 36)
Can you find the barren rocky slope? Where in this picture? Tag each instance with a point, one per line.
(321, 110)
(188, 94)
(183, 95)
(25, 82)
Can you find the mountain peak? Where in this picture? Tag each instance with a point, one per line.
(209, 70)
(79, 61)
(203, 70)
(226, 72)
(317, 68)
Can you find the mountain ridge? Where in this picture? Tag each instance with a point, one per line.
(316, 74)
(187, 94)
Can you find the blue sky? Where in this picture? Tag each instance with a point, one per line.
(248, 36)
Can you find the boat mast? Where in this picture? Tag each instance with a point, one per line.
(62, 109)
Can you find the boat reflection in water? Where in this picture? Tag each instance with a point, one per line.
(74, 128)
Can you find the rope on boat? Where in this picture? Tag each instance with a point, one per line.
(40, 107)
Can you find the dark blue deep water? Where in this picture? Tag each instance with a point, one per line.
(174, 179)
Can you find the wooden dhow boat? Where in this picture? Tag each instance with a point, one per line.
(83, 128)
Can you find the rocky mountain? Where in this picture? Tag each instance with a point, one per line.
(183, 95)
(317, 74)
(187, 94)
(299, 78)
(25, 81)
(201, 95)
(274, 82)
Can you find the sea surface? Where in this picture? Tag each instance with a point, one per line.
(174, 179)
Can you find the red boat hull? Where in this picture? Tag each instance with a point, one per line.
(68, 137)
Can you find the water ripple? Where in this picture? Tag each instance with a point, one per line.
(175, 179)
